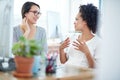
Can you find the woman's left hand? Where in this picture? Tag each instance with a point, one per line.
(81, 46)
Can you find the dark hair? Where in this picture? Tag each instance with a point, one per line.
(26, 7)
(89, 13)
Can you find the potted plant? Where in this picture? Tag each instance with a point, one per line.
(24, 52)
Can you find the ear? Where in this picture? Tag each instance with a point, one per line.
(84, 22)
(26, 14)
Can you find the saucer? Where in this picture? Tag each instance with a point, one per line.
(22, 75)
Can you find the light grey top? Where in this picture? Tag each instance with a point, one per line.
(39, 36)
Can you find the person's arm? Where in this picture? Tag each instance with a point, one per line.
(25, 27)
(63, 57)
(97, 52)
(95, 59)
(90, 60)
(64, 44)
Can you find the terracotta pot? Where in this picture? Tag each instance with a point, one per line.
(23, 66)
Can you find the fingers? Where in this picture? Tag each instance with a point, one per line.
(24, 20)
(65, 43)
(75, 44)
(67, 39)
(78, 44)
(25, 26)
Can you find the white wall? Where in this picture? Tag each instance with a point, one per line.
(110, 56)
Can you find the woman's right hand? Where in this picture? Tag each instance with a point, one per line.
(25, 26)
(64, 44)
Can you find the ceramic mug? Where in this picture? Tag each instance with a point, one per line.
(36, 64)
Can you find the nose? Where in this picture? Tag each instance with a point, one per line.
(74, 22)
(37, 16)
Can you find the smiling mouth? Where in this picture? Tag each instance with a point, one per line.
(35, 19)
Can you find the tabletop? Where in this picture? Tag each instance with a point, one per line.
(66, 73)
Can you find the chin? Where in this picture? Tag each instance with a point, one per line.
(76, 30)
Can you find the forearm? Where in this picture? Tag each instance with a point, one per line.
(64, 44)
(25, 31)
(63, 57)
(90, 60)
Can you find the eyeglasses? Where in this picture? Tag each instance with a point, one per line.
(36, 13)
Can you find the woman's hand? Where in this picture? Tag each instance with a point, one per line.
(81, 46)
(64, 44)
(25, 26)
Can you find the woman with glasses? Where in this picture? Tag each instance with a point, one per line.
(30, 14)
(28, 28)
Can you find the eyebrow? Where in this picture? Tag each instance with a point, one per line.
(76, 18)
(35, 10)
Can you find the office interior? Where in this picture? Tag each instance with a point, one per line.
(65, 12)
(57, 19)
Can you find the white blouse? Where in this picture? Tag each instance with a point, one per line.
(78, 58)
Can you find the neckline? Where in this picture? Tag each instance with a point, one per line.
(89, 39)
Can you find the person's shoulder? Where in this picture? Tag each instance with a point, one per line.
(40, 28)
(16, 27)
(97, 39)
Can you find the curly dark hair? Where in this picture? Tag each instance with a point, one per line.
(89, 13)
(26, 7)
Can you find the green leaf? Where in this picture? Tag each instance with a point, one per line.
(27, 48)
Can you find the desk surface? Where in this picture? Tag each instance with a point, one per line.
(71, 74)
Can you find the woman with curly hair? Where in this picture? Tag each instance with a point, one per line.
(83, 51)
